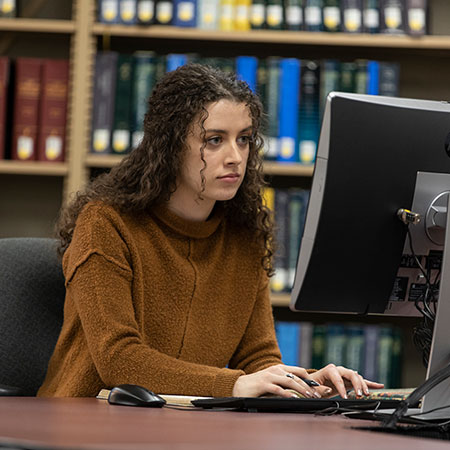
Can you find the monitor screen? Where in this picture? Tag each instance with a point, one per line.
(374, 157)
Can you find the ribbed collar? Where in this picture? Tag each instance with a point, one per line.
(189, 228)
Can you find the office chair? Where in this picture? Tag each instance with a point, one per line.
(31, 311)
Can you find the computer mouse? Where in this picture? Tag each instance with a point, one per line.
(134, 395)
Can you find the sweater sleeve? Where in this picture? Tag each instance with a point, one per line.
(258, 348)
(99, 285)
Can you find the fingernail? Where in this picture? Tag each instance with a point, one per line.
(359, 393)
(366, 391)
(328, 391)
(345, 395)
(316, 394)
(309, 394)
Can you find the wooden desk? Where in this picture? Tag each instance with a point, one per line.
(94, 424)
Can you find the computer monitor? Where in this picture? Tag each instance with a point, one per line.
(376, 156)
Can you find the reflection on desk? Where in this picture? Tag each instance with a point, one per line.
(88, 423)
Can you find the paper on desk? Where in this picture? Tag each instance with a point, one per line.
(172, 400)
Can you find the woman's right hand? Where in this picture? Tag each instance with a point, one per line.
(276, 380)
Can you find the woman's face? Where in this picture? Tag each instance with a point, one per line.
(228, 134)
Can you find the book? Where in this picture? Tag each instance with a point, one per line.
(104, 101)
(361, 76)
(352, 16)
(247, 69)
(329, 80)
(5, 71)
(108, 11)
(163, 12)
(293, 15)
(384, 360)
(370, 368)
(298, 200)
(128, 12)
(371, 16)
(53, 110)
(279, 282)
(331, 15)
(227, 11)
(27, 93)
(313, 15)
(272, 108)
(354, 351)
(208, 14)
(335, 344)
(258, 14)
(305, 350)
(121, 136)
(145, 12)
(144, 79)
(288, 112)
(348, 72)
(274, 15)
(175, 60)
(8, 8)
(288, 337)
(242, 15)
(373, 77)
(416, 17)
(309, 112)
(392, 17)
(389, 79)
(185, 13)
(318, 346)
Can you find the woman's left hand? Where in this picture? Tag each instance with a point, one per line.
(340, 380)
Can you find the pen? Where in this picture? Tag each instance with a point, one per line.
(310, 382)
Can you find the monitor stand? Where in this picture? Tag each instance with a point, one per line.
(439, 396)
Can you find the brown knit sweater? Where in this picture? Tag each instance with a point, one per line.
(176, 306)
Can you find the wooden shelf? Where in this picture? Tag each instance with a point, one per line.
(33, 168)
(280, 37)
(270, 168)
(38, 25)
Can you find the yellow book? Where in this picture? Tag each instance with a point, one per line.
(242, 15)
(227, 10)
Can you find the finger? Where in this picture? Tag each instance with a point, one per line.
(335, 378)
(295, 383)
(355, 379)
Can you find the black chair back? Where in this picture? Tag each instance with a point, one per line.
(31, 311)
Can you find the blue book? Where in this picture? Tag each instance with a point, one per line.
(247, 70)
(185, 13)
(108, 11)
(373, 77)
(128, 12)
(288, 115)
(309, 112)
(288, 336)
(175, 60)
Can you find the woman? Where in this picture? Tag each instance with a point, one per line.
(167, 259)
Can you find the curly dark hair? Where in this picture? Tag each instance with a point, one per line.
(147, 176)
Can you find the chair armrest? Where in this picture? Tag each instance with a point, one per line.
(9, 391)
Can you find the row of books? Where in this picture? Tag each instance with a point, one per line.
(289, 209)
(8, 8)
(33, 108)
(351, 16)
(292, 91)
(374, 351)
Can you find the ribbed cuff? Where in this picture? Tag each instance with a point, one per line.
(224, 382)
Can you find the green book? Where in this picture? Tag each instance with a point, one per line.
(274, 15)
(332, 15)
(354, 352)
(371, 16)
(318, 346)
(348, 71)
(385, 345)
(313, 15)
(330, 74)
(272, 105)
(335, 344)
(396, 358)
(121, 136)
(258, 14)
(144, 78)
(293, 17)
(361, 76)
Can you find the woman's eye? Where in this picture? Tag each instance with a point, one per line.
(216, 140)
(244, 140)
